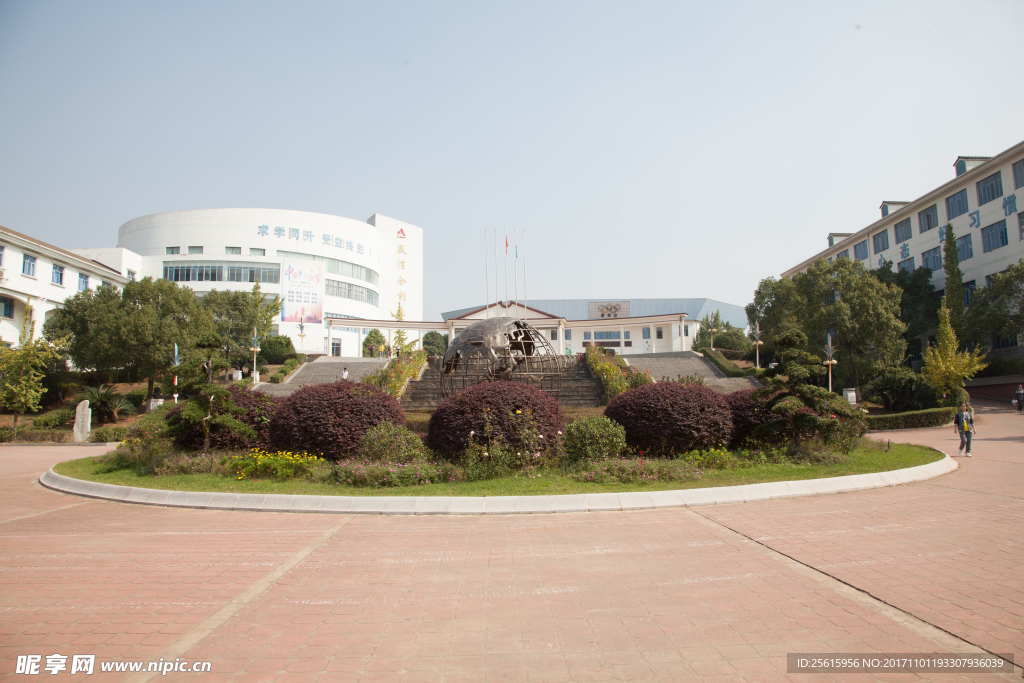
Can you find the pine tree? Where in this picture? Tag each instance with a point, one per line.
(945, 366)
(954, 283)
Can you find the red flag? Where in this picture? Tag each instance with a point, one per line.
(506, 244)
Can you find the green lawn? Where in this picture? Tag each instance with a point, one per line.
(861, 461)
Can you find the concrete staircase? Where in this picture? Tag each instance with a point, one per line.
(677, 363)
(324, 370)
(579, 390)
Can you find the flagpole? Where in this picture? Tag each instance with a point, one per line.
(515, 267)
(526, 310)
(487, 286)
(506, 263)
(495, 273)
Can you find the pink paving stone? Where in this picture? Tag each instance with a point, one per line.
(643, 595)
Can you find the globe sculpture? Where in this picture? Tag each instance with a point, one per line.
(501, 349)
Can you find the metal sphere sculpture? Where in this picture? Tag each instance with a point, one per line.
(500, 349)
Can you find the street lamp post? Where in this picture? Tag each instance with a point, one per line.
(255, 349)
(829, 351)
(713, 330)
(175, 362)
(757, 344)
(302, 336)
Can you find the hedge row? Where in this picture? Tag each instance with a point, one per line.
(726, 366)
(287, 369)
(933, 417)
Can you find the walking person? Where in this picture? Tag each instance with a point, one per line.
(1019, 395)
(963, 424)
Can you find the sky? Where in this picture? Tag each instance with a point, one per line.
(647, 149)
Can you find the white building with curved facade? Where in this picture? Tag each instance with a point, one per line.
(323, 267)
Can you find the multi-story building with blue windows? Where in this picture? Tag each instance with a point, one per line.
(980, 204)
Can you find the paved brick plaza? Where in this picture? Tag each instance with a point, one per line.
(717, 593)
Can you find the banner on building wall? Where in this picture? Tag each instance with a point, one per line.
(608, 309)
(302, 292)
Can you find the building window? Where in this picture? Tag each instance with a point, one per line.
(1020, 224)
(28, 265)
(994, 236)
(221, 271)
(231, 250)
(861, 250)
(58, 275)
(568, 335)
(1003, 342)
(658, 333)
(347, 290)
(173, 250)
(990, 188)
(881, 241)
(131, 275)
(965, 248)
(83, 282)
(1018, 175)
(586, 335)
(606, 335)
(845, 253)
(907, 265)
(968, 292)
(961, 167)
(928, 219)
(686, 330)
(8, 306)
(903, 231)
(932, 259)
(625, 335)
(195, 250)
(257, 252)
(2, 249)
(956, 205)
(554, 335)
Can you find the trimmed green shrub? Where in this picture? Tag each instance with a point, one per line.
(668, 418)
(6, 434)
(917, 419)
(748, 412)
(499, 406)
(274, 350)
(902, 389)
(258, 410)
(54, 418)
(277, 378)
(726, 366)
(109, 434)
(331, 419)
(594, 438)
(391, 443)
(136, 397)
(732, 339)
(956, 397)
(44, 435)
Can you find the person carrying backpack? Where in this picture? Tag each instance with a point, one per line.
(963, 424)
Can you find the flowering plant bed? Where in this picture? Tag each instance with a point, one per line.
(708, 469)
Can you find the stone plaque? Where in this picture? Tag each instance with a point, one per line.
(83, 422)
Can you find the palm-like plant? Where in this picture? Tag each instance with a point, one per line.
(107, 402)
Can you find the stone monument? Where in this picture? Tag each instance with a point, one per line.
(83, 422)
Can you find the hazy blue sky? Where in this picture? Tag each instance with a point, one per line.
(649, 149)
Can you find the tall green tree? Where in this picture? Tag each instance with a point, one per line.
(919, 308)
(945, 365)
(999, 307)
(22, 369)
(372, 343)
(93, 321)
(860, 312)
(435, 343)
(237, 314)
(774, 308)
(954, 284)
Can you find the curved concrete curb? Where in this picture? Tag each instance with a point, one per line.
(501, 505)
